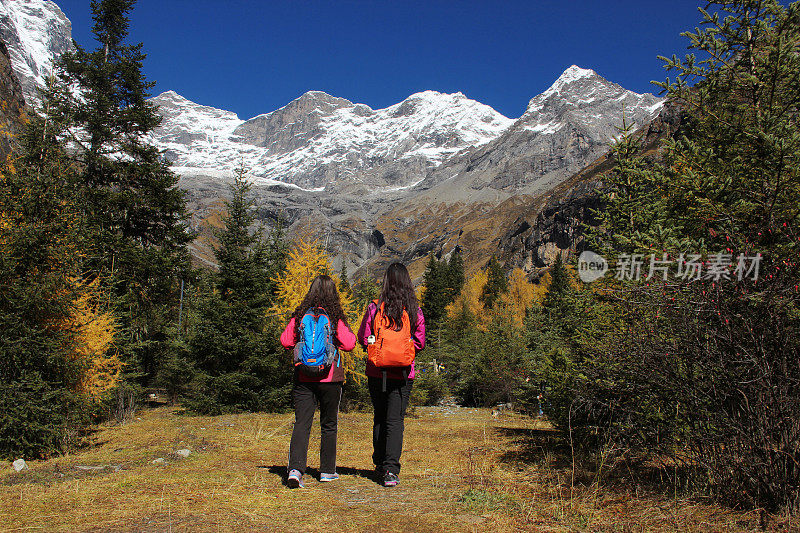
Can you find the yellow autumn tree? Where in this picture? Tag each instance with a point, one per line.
(94, 331)
(520, 295)
(306, 261)
(469, 300)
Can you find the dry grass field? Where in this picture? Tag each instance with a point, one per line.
(463, 470)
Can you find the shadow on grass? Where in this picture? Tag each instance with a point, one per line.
(551, 448)
(536, 446)
(313, 472)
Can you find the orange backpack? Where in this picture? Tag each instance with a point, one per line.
(391, 348)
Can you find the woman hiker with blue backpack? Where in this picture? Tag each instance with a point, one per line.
(319, 375)
(392, 331)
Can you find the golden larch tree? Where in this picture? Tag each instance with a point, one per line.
(520, 295)
(94, 340)
(469, 300)
(306, 261)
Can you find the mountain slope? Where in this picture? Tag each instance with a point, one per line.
(472, 199)
(570, 124)
(36, 33)
(318, 140)
(12, 110)
(533, 241)
(427, 174)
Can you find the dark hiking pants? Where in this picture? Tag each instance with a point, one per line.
(305, 397)
(388, 425)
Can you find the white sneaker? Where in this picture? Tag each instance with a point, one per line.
(295, 479)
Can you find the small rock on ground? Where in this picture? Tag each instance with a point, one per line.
(19, 465)
(159, 461)
(183, 453)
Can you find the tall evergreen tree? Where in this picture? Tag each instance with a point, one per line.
(134, 213)
(242, 254)
(234, 348)
(344, 283)
(559, 283)
(496, 284)
(455, 274)
(434, 298)
(40, 249)
(365, 290)
(442, 280)
(278, 251)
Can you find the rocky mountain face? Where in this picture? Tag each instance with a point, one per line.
(533, 240)
(570, 124)
(374, 202)
(36, 33)
(13, 108)
(483, 191)
(425, 175)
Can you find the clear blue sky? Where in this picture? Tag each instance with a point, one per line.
(254, 56)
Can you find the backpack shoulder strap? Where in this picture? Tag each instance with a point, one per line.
(378, 313)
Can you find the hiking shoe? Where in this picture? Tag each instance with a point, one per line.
(390, 480)
(295, 479)
(324, 478)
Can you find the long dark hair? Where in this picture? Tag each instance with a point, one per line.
(398, 294)
(322, 293)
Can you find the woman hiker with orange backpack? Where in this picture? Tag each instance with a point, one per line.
(319, 375)
(392, 331)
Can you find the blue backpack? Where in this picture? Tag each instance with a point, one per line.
(314, 352)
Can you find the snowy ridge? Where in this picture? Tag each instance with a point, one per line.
(319, 141)
(214, 123)
(328, 132)
(36, 33)
(572, 74)
(580, 96)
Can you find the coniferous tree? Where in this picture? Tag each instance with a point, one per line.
(365, 290)
(496, 284)
(443, 281)
(559, 283)
(234, 346)
(242, 255)
(41, 402)
(434, 298)
(134, 214)
(344, 283)
(278, 251)
(455, 274)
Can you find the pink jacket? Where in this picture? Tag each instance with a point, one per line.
(417, 335)
(344, 339)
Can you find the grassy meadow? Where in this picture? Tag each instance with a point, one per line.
(463, 470)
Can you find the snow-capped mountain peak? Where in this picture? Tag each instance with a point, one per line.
(574, 72)
(36, 33)
(318, 139)
(571, 82)
(583, 98)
